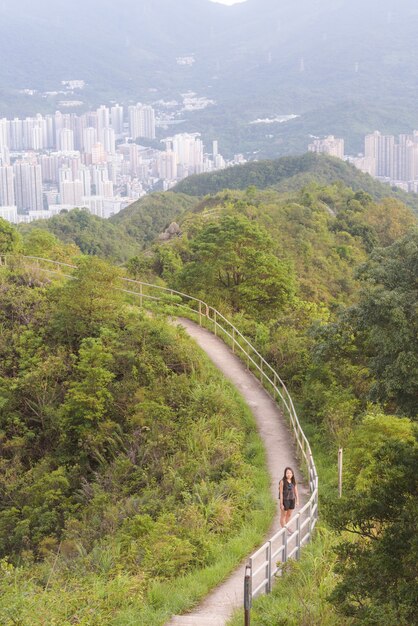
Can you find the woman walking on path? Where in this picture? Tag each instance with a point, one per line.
(288, 495)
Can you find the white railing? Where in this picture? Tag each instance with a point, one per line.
(263, 564)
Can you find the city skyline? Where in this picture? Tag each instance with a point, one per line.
(101, 160)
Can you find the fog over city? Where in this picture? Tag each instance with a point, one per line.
(132, 98)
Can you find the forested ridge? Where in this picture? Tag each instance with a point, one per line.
(324, 281)
(292, 173)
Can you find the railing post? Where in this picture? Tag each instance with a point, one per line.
(284, 557)
(268, 567)
(140, 294)
(261, 369)
(310, 520)
(233, 339)
(298, 536)
(215, 322)
(200, 313)
(247, 595)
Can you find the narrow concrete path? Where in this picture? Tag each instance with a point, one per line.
(217, 608)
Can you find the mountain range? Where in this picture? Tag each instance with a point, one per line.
(342, 66)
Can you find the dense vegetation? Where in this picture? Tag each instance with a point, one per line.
(323, 279)
(126, 461)
(116, 239)
(145, 219)
(290, 174)
(90, 234)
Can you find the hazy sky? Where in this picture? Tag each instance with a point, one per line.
(228, 1)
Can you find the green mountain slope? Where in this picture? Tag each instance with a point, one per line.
(290, 174)
(145, 219)
(118, 238)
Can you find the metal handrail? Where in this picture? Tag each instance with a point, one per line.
(268, 567)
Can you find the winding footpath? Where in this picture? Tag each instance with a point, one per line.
(217, 608)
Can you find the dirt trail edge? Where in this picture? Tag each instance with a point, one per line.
(217, 608)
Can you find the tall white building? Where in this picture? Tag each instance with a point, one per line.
(4, 133)
(16, 134)
(188, 148)
(72, 193)
(395, 160)
(116, 119)
(141, 121)
(28, 186)
(109, 140)
(85, 177)
(66, 140)
(89, 139)
(103, 119)
(7, 192)
(167, 165)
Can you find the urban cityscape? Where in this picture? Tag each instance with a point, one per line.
(50, 163)
(390, 160)
(106, 159)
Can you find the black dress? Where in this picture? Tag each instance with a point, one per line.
(289, 496)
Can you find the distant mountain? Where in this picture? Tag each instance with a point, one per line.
(346, 67)
(292, 173)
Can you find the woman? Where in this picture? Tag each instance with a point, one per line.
(289, 497)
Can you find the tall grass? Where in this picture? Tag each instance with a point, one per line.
(299, 596)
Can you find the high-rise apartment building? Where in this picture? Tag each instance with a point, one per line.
(16, 134)
(85, 177)
(4, 133)
(103, 119)
(66, 140)
(89, 139)
(28, 186)
(188, 148)
(334, 146)
(109, 140)
(116, 119)
(141, 121)
(167, 165)
(7, 192)
(396, 161)
(72, 193)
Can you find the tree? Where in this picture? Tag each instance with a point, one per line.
(378, 581)
(42, 243)
(88, 302)
(386, 317)
(85, 424)
(10, 240)
(232, 260)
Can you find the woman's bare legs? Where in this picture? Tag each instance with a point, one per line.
(282, 517)
(285, 517)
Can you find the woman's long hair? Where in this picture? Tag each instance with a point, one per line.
(293, 479)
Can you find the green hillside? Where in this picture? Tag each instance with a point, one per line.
(145, 219)
(290, 174)
(116, 239)
(128, 466)
(322, 278)
(324, 282)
